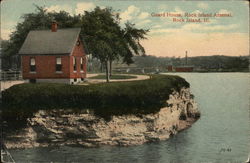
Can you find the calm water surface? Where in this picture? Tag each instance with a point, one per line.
(220, 136)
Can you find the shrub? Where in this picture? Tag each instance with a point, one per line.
(105, 99)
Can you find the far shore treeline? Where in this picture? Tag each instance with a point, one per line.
(212, 63)
(150, 63)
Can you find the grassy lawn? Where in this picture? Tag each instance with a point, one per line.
(114, 77)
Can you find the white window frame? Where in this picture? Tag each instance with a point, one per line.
(32, 63)
(81, 66)
(74, 65)
(59, 62)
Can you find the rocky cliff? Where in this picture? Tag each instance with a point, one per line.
(67, 127)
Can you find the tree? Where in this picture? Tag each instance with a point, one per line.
(107, 41)
(100, 31)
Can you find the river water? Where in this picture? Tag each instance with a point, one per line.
(221, 135)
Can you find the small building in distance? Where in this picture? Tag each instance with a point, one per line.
(55, 56)
(184, 68)
(171, 68)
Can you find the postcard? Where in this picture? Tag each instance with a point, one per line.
(125, 81)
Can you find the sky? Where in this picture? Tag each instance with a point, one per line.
(227, 33)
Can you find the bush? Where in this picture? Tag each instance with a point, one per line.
(105, 99)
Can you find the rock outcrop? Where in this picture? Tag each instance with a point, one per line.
(66, 127)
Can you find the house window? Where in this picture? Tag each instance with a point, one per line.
(32, 65)
(82, 64)
(58, 64)
(74, 63)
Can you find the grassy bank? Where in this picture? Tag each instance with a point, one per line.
(105, 99)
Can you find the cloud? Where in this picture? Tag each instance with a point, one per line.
(192, 28)
(157, 26)
(84, 6)
(143, 22)
(58, 8)
(202, 5)
(162, 7)
(129, 13)
(143, 15)
(102, 7)
(178, 10)
(197, 12)
(134, 13)
(224, 11)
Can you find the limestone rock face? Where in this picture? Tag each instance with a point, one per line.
(65, 127)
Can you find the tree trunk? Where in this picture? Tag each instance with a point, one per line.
(107, 71)
(102, 63)
(110, 68)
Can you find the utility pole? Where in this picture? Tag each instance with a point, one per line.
(186, 58)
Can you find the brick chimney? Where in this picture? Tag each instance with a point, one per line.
(54, 26)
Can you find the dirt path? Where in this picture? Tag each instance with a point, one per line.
(138, 77)
(6, 84)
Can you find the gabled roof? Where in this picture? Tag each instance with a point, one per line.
(46, 42)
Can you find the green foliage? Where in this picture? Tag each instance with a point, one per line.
(131, 36)
(99, 29)
(107, 41)
(105, 99)
(208, 63)
(101, 33)
(226, 63)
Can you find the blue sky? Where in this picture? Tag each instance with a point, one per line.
(219, 36)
